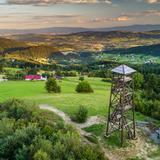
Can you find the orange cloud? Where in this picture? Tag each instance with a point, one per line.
(123, 18)
(153, 1)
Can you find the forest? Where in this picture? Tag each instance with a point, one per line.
(147, 97)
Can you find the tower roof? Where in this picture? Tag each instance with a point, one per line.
(123, 69)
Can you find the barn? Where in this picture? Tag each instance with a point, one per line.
(35, 77)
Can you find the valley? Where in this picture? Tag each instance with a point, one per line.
(75, 48)
(79, 79)
(69, 60)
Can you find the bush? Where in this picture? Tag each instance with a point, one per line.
(107, 80)
(40, 155)
(18, 109)
(84, 87)
(70, 73)
(81, 78)
(52, 86)
(81, 115)
(40, 136)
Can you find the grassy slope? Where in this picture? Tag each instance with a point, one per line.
(68, 101)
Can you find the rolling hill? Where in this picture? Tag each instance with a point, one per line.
(78, 47)
(8, 44)
(91, 41)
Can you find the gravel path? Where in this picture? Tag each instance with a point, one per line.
(91, 120)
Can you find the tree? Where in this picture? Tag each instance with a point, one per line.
(2, 63)
(138, 80)
(1, 67)
(84, 87)
(52, 86)
(81, 115)
(81, 78)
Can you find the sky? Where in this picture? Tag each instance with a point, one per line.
(29, 14)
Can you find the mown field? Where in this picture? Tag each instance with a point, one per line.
(68, 100)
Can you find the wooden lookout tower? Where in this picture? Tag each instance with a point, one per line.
(121, 104)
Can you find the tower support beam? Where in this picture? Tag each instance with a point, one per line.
(121, 104)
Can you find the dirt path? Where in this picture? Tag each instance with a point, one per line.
(139, 147)
(91, 120)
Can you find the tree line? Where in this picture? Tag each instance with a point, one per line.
(147, 96)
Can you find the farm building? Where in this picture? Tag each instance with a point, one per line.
(3, 80)
(35, 77)
(58, 77)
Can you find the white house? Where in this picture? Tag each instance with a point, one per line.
(3, 80)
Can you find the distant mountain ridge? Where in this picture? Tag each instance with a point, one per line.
(78, 47)
(69, 30)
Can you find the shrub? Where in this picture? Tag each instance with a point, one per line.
(107, 80)
(40, 155)
(18, 109)
(22, 153)
(81, 78)
(70, 73)
(84, 87)
(40, 136)
(81, 115)
(52, 86)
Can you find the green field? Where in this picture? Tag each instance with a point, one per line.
(68, 100)
(131, 58)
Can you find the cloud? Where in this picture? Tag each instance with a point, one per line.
(145, 13)
(40, 21)
(115, 19)
(51, 2)
(69, 16)
(59, 18)
(152, 1)
(149, 1)
(151, 13)
(123, 18)
(126, 17)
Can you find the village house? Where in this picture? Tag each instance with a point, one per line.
(2, 79)
(35, 77)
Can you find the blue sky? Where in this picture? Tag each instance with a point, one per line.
(21, 14)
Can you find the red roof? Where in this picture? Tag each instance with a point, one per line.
(33, 77)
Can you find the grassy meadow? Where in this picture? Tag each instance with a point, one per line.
(132, 59)
(68, 100)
